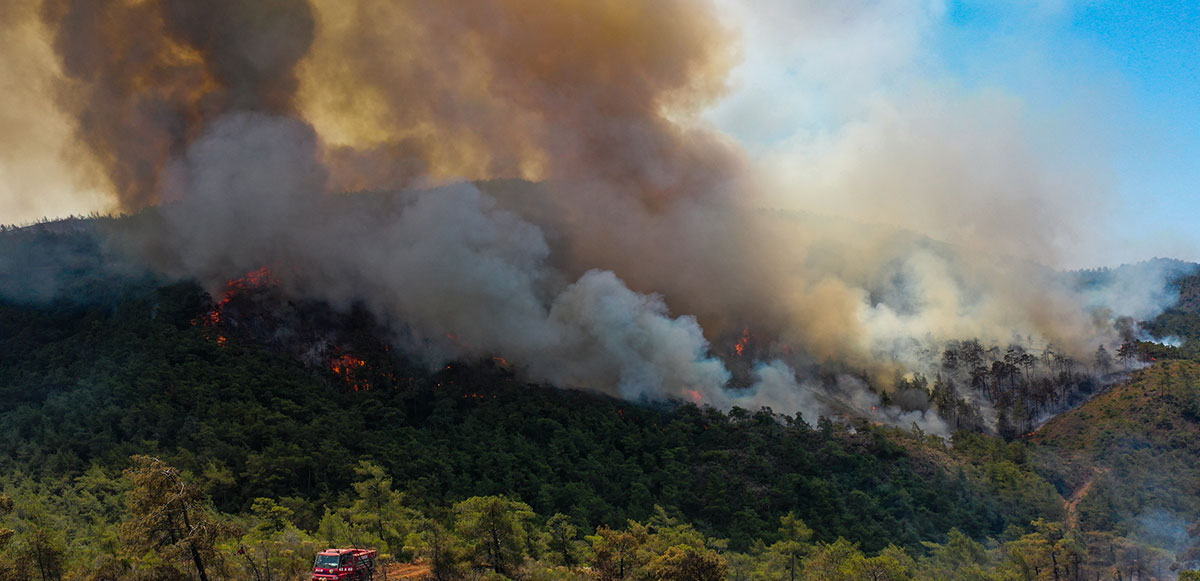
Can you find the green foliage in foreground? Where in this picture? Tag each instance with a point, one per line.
(164, 529)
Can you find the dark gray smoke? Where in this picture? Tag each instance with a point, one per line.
(143, 79)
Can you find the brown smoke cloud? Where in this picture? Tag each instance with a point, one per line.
(566, 89)
(405, 91)
(143, 79)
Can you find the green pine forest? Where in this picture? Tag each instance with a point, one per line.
(138, 441)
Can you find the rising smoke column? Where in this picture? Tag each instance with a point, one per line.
(597, 95)
(211, 95)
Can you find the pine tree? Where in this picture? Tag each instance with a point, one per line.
(496, 527)
(169, 515)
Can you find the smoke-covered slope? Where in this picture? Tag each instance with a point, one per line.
(499, 285)
(640, 264)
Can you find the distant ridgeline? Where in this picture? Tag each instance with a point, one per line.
(1180, 324)
(75, 261)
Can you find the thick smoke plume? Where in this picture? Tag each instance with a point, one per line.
(143, 79)
(640, 263)
(565, 89)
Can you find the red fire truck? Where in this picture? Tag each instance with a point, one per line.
(344, 565)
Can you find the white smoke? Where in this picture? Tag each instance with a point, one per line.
(459, 275)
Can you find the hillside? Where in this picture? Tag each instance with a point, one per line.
(262, 424)
(1137, 446)
(83, 387)
(285, 414)
(1180, 324)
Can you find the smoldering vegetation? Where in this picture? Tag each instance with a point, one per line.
(535, 183)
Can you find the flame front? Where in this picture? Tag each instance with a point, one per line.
(254, 280)
(740, 347)
(350, 369)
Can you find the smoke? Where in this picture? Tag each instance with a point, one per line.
(34, 177)
(643, 252)
(143, 79)
(564, 89)
(459, 275)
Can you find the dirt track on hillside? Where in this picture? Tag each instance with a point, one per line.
(1072, 504)
(404, 572)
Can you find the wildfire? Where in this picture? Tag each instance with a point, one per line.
(695, 395)
(348, 367)
(502, 362)
(260, 278)
(253, 280)
(740, 347)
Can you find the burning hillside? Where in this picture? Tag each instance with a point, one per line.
(253, 308)
(640, 264)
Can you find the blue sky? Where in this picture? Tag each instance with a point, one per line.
(1106, 95)
(1146, 56)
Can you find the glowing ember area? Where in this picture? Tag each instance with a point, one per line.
(253, 280)
(740, 347)
(349, 368)
(260, 278)
(502, 362)
(695, 395)
(222, 340)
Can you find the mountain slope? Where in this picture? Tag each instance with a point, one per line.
(1136, 445)
(81, 386)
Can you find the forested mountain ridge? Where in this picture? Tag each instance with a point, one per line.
(84, 386)
(290, 446)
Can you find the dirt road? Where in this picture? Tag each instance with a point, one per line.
(405, 572)
(1072, 504)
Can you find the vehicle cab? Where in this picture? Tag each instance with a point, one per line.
(344, 564)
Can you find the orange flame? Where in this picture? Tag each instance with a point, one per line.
(740, 347)
(695, 395)
(347, 367)
(255, 279)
